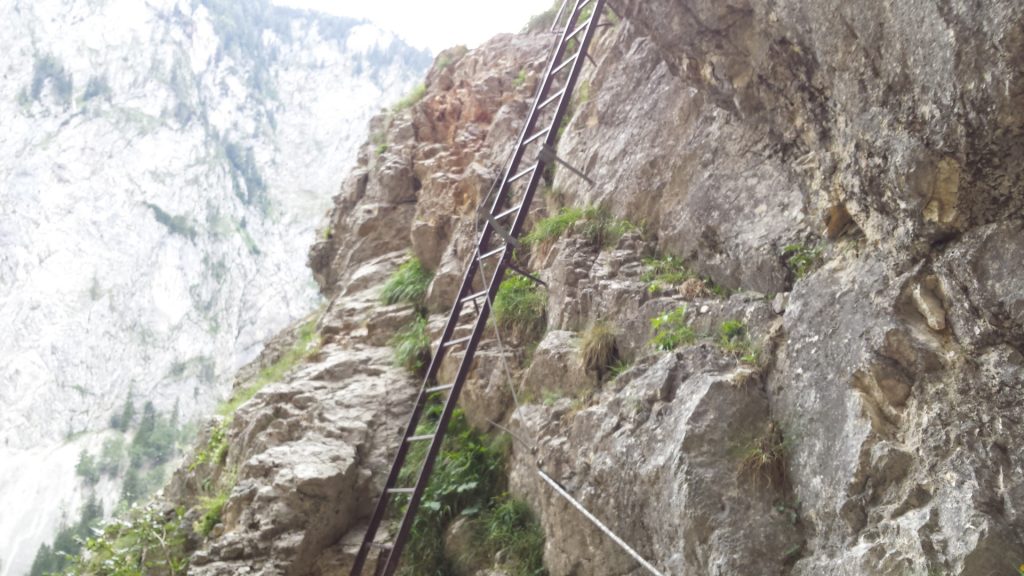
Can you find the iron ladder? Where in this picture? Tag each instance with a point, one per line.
(534, 152)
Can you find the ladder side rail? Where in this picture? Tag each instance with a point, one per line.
(532, 118)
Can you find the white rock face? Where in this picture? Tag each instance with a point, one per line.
(163, 170)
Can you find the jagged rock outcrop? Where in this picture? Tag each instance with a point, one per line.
(871, 425)
(310, 454)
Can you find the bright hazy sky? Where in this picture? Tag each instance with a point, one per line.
(434, 24)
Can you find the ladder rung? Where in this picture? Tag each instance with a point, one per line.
(458, 341)
(494, 252)
(419, 438)
(567, 63)
(556, 96)
(439, 388)
(508, 212)
(521, 174)
(537, 135)
(472, 297)
(579, 28)
(400, 490)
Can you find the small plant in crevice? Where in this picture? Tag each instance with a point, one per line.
(662, 272)
(512, 532)
(520, 78)
(619, 368)
(733, 337)
(212, 508)
(408, 285)
(763, 461)
(411, 346)
(672, 329)
(417, 94)
(216, 450)
(802, 259)
(468, 473)
(520, 309)
(599, 349)
(594, 223)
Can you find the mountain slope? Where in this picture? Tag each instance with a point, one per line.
(165, 166)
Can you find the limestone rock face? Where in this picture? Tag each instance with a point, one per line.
(843, 184)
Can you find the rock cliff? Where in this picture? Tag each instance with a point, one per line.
(814, 301)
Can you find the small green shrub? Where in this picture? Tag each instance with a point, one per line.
(733, 337)
(520, 308)
(141, 540)
(520, 78)
(411, 346)
(216, 450)
(802, 259)
(764, 460)
(417, 94)
(212, 508)
(662, 272)
(408, 285)
(672, 330)
(599, 349)
(512, 532)
(381, 149)
(469, 473)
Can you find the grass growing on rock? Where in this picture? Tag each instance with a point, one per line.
(802, 259)
(595, 224)
(408, 285)
(411, 346)
(520, 308)
(306, 344)
(672, 329)
(663, 272)
(733, 337)
(599, 348)
(468, 481)
(410, 99)
(212, 508)
(763, 462)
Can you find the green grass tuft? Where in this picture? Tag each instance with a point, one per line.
(520, 308)
(672, 330)
(513, 533)
(410, 99)
(408, 285)
(599, 349)
(411, 346)
(212, 508)
(663, 272)
(593, 223)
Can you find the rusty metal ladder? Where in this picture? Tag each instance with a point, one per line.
(533, 154)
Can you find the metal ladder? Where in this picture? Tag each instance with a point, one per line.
(534, 152)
